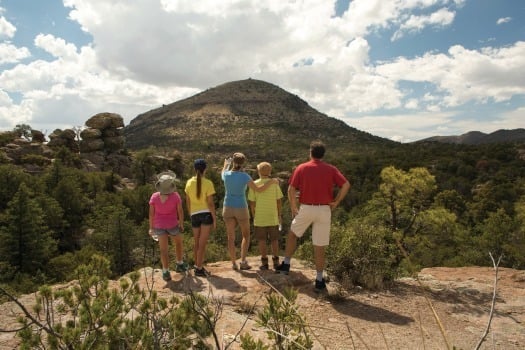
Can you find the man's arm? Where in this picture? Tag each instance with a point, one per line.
(340, 195)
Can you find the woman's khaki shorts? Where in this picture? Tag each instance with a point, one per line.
(239, 214)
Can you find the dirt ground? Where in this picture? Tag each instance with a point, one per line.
(448, 307)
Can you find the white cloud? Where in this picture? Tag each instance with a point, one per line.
(55, 46)
(488, 74)
(405, 127)
(11, 54)
(442, 17)
(503, 20)
(7, 30)
(11, 113)
(412, 104)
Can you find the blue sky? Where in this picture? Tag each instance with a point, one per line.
(399, 69)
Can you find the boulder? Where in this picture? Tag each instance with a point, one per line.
(112, 132)
(105, 120)
(91, 145)
(114, 143)
(37, 136)
(90, 133)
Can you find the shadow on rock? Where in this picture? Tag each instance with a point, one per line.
(371, 313)
(226, 283)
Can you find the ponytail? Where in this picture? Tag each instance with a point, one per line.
(199, 183)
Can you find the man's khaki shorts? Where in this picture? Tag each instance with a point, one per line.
(319, 216)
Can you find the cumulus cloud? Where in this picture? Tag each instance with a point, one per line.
(463, 75)
(9, 53)
(7, 30)
(55, 46)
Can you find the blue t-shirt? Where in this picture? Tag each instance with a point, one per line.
(235, 183)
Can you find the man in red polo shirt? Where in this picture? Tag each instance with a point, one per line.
(314, 182)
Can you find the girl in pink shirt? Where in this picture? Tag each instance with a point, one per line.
(166, 218)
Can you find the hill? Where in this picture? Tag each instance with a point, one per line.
(397, 318)
(252, 116)
(479, 138)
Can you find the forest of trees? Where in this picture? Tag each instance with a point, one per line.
(409, 207)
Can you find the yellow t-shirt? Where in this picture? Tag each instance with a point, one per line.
(265, 204)
(199, 205)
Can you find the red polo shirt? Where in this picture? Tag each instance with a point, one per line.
(315, 181)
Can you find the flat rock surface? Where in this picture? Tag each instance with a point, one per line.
(404, 316)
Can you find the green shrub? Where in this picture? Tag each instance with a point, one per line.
(100, 315)
(361, 255)
(35, 159)
(285, 326)
(305, 252)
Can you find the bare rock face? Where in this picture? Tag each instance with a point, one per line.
(346, 318)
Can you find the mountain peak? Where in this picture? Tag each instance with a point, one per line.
(250, 114)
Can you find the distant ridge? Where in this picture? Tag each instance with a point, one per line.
(248, 115)
(479, 138)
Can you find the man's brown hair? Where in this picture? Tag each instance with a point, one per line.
(317, 149)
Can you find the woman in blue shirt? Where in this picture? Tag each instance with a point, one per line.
(235, 208)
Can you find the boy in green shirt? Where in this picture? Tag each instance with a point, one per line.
(266, 212)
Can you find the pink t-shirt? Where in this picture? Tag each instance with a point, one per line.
(165, 212)
(315, 180)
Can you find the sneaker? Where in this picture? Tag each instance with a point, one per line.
(202, 272)
(320, 286)
(235, 267)
(275, 261)
(264, 264)
(166, 276)
(244, 265)
(182, 267)
(283, 268)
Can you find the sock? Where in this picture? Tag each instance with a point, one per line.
(180, 262)
(287, 260)
(319, 276)
(164, 270)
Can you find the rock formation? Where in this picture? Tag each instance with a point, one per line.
(65, 138)
(102, 144)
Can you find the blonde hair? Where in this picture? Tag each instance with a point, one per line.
(264, 169)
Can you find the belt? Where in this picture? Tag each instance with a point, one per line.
(314, 204)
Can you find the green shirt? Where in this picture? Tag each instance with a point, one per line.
(266, 204)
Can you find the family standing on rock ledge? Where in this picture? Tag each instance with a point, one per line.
(310, 194)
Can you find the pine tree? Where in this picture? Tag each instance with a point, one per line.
(27, 244)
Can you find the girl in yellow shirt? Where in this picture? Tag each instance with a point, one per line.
(199, 200)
